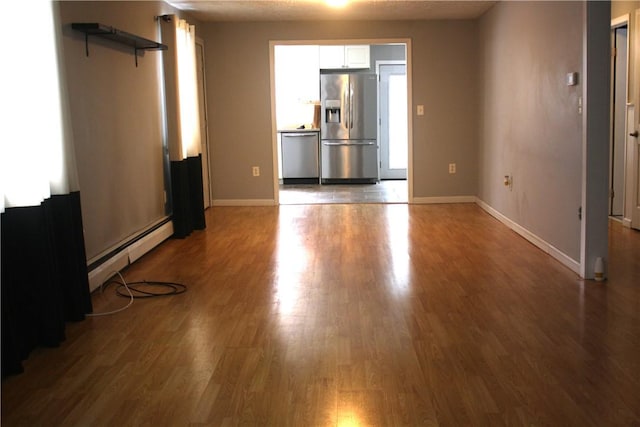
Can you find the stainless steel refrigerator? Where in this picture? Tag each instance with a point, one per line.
(348, 130)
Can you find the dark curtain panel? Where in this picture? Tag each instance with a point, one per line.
(196, 197)
(44, 276)
(182, 224)
(188, 200)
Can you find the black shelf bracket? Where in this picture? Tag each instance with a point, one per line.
(110, 33)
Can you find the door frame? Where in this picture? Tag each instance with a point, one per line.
(614, 149)
(616, 23)
(274, 130)
(378, 64)
(631, 151)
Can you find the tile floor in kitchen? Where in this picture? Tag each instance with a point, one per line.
(388, 191)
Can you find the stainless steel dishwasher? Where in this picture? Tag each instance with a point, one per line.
(300, 158)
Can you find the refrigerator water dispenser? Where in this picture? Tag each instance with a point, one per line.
(332, 111)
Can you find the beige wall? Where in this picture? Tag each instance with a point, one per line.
(529, 124)
(444, 81)
(494, 94)
(116, 118)
(619, 8)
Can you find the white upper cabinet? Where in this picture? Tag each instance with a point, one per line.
(331, 57)
(356, 56)
(350, 56)
(297, 79)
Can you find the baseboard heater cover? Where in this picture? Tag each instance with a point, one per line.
(128, 255)
(144, 245)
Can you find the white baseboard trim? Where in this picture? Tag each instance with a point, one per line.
(445, 199)
(546, 247)
(244, 202)
(626, 222)
(128, 255)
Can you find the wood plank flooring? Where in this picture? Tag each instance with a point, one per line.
(350, 315)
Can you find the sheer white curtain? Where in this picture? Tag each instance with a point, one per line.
(183, 125)
(188, 114)
(187, 88)
(44, 271)
(37, 156)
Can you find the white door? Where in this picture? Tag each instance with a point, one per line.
(204, 137)
(394, 140)
(633, 169)
(635, 215)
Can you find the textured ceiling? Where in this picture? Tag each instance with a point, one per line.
(303, 10)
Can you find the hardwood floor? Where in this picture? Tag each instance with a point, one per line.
(350, 315)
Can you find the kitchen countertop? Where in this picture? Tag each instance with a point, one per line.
(298, 130)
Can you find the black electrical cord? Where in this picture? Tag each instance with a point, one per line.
(167, 289)
(134, 293)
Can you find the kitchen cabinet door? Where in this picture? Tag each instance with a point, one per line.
(357, 56)
(331, 57)
(344, 57)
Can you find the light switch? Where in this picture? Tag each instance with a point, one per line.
(420, 110)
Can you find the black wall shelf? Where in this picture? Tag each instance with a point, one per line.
(118, 36)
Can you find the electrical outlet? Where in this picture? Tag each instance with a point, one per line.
(508, 182)
(420, 110)
(452, 168)
(579, 105)
(256, 170)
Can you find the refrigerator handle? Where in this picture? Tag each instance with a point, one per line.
(350, 105)
(345, 104)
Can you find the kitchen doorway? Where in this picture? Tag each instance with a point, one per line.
(306, 98)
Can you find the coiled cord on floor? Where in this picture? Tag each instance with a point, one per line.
(134, 291)
(172, 288)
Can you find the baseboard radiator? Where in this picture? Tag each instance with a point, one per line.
(127, 254)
